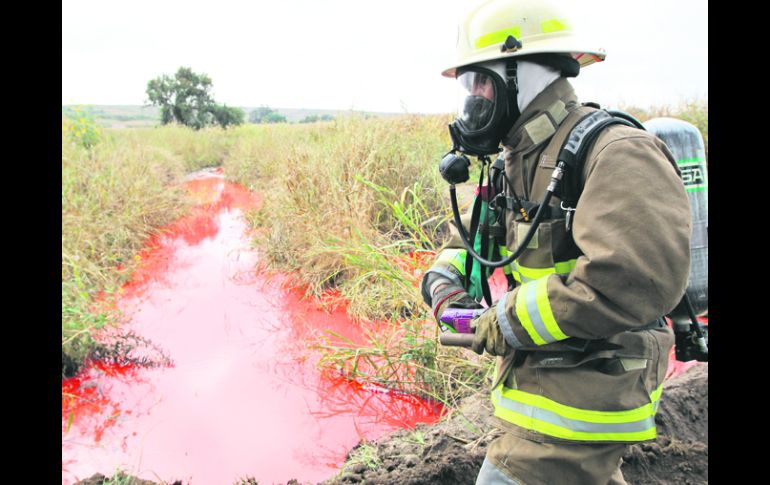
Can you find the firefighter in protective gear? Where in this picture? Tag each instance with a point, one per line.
(568, 412)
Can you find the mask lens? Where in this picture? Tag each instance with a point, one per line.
(476, 100)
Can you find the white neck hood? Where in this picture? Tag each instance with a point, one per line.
(533, 79)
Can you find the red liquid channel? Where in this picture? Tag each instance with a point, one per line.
(244, 396)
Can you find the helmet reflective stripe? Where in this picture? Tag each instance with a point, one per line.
(498, 37)
(541, 26)
(534, 312)
(549, 417)
(505, 324)
(555, 25)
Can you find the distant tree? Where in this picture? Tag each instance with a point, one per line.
(264, 114)
(275, 118)
(258, 114)
(186, 98)
(226, 116)
(315, 118)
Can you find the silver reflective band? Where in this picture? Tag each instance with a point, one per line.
(568, 423)
(504, 324)
(530, 298)
(491, 475)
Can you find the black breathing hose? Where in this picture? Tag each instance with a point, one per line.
(469, 246)
(575, 148)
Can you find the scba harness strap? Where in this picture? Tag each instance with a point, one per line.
(489, 222)
(573, 153)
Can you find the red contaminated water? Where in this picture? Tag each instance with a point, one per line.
(243, 396)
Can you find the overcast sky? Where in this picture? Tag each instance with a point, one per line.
(356, 54)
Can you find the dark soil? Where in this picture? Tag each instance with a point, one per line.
(451, 452)
(680, 454)
(123, 479)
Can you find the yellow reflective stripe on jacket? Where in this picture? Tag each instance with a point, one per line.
(534, 312)
(546, 416)
(504, 254)
(523, 274)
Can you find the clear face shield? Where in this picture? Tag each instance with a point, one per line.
(475, 100)
(478, 96)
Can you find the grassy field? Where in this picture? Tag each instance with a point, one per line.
(355, 205)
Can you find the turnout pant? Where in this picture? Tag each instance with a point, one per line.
(512, 460)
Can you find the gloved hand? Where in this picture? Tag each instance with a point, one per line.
(451, 296)
(487, 335)
(441, 293)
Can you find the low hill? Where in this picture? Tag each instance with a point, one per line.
(131, 116)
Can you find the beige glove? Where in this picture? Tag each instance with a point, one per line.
(487, 335)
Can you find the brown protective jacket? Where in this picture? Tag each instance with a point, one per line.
(628, 260)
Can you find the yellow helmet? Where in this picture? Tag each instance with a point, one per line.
(498, 29)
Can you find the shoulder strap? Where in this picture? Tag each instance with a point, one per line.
(575, 148)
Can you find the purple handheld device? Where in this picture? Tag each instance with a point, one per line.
(460, 318)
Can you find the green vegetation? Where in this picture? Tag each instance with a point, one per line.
(136, 116)
(264, 114)
(185, 98)
(81, 127)
(344, 199)
(115, 116)
(316, 118)
(354, 205)
(695, 111)
(122, 478)
(364, 454)
(115, 195)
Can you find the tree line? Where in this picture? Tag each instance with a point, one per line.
(186, 98)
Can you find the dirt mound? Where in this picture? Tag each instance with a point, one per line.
(123, 479)
(451, 452)
(680, 454)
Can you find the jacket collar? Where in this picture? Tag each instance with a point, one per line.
(541, 117)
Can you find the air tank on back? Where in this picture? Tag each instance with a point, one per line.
(686, 144)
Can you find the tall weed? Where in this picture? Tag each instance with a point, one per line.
(114, 196)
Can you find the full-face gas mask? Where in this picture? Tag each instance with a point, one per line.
(487, 107)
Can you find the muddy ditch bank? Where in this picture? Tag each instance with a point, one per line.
(451, 452)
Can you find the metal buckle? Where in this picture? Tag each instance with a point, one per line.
(568, 217)
(493, 204)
